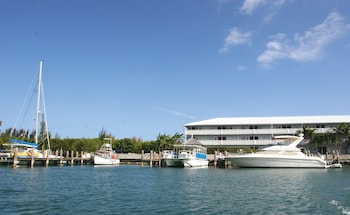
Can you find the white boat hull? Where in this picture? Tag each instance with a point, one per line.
(194, 163)
(98, 160)
(172, 162)
(276, 162)
(178, 162)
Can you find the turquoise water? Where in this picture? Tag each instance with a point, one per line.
(134, 190)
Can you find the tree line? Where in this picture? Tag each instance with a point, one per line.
(125, 145)
(338, 138)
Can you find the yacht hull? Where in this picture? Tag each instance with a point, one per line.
(276, 162)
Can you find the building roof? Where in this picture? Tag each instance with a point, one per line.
(273, 120)
(192, 141)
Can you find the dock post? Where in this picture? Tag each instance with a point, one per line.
(160, 159)
(82, 159)
(215, 159)
(72, 158)
(67, 157)
(151, 159)
(47, 158)
(32, 161)
(142, 155)
(227, 164)
(61, 156)
(15, 159)
(77, 156)
(338, 157)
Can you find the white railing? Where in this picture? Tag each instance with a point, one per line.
(233, 143)
(275, 131)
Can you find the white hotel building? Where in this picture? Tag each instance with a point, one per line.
(257, 131)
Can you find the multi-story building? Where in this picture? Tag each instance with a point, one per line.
(257, 131)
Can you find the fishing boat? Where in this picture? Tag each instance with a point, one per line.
(280, 156)
(189, 154)
(106, 155)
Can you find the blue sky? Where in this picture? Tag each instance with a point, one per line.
(142, 68)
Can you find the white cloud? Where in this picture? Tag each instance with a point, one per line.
(305, 47)
(242, 68)
(236, 37)
(176, 113)
(250, 5)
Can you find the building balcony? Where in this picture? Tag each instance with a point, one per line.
(235, 143)
(230, 132)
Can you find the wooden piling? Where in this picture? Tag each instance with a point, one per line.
(160, 159)
(32, 161)
(15, 159)
(215, 159)
(151, 159)
(142, 156)
(82, 159)
(338, 157)
(61, 157)
(72, 158)
(47, 158)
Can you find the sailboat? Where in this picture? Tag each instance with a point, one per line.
(25, 149)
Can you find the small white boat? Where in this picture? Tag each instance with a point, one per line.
(279, 156)
(189, 154)
(105, 155)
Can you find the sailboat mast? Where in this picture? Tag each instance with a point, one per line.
(38, 104)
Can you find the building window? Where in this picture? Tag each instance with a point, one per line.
(320, 126)
(253, 127)
(221, 138)
(253, 137)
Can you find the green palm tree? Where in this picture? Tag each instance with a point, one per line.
(342, 132)
(167, 142)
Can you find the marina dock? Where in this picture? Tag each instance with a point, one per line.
(151, 159)
(78, 158)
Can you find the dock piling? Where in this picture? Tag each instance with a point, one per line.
(61, 157)
(15, 159)
(82, 160)
(47, 157)
(142, 156)
(151, 159)
(32, 161)
(72, 158)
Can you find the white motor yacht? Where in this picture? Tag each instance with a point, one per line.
(279, 156)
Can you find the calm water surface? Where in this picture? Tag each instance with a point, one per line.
(135, 190)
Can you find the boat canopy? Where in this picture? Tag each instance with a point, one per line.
(24, 143)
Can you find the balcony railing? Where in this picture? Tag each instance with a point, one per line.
(233, 143)
(226, 132)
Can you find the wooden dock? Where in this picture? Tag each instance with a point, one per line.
(71, 158)
(151, 159)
